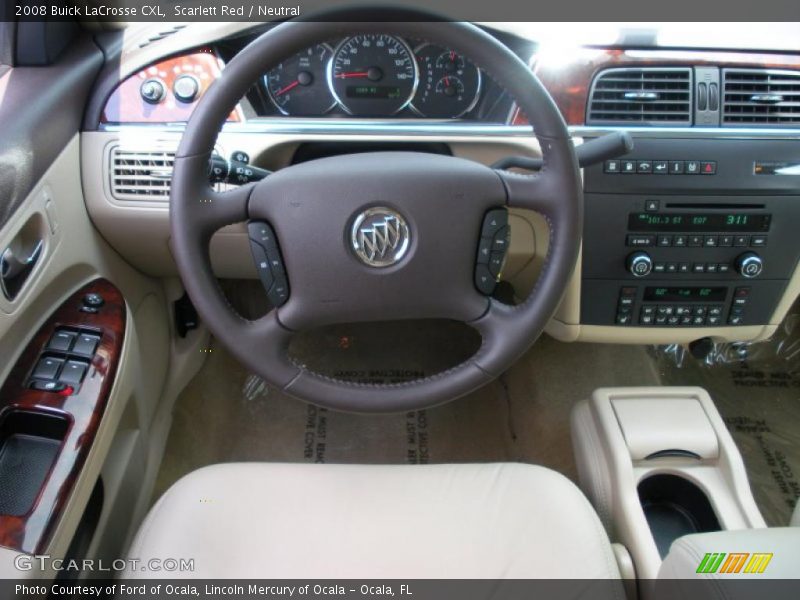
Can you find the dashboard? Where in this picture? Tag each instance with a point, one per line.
(690, 235)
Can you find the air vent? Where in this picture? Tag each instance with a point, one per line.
(760, 97)
(648, 96)
(140, 174)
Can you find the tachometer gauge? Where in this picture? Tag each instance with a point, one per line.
(449, 84)
(373, 75)
(297, 86)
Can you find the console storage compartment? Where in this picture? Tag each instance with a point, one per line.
(29, 446)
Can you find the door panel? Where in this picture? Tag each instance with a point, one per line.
(41, 199)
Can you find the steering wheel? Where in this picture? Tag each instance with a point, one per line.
(376, 236)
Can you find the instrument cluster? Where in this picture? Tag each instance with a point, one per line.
(375, 75)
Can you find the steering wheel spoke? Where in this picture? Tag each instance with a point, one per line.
(215, 209)
(529, 191)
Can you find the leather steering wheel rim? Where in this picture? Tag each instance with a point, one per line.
(197, 211)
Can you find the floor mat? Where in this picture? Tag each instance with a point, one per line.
(227, 414)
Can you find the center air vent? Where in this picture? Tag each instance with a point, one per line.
(760, 97)
(648, 96)
(140, 174)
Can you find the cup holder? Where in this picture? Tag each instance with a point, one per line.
(29, 446)
(674, 507)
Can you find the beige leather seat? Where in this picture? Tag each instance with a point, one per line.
(256, 520)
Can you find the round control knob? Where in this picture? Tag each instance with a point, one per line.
(152, 91)
(749, 265)
(640, 264)
(186, 88)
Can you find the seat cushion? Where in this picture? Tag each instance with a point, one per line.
(261, 520)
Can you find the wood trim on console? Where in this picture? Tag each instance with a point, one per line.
(569, 82)
(125, 105)
(31, 532)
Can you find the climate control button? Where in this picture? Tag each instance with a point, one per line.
(640, 264)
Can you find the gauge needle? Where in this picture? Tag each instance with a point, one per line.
(291, 86)
(352, 74)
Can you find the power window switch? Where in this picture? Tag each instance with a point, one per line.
(61, 341)
(86, 344)
(47, 368)
(73, 372)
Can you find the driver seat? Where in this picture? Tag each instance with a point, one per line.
(268, 520)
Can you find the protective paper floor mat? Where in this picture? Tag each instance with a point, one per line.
(227, 414)
(756, 388)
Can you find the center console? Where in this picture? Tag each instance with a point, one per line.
(691, 233)
(658, 464)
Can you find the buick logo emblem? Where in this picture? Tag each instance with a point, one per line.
(379, 237)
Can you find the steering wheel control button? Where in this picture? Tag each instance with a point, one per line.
(269, 263)
(380, 237)
(484, 250)
(493, 222)
(152, 91)
(496, 262)
(186, 88)
(484, 280)
(492, 249)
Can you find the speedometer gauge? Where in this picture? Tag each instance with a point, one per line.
(297, 86)
(449, 83)
(373, 75)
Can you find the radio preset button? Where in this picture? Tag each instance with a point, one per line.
(665, 241)
(741, 241)
(710, 241)
(726, 241)
(679, 240)
(695, 240)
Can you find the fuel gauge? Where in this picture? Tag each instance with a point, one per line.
(449, 84)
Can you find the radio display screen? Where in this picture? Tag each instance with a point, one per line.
(683, 222)
(685, 294)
